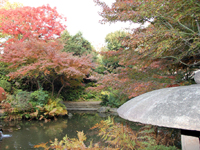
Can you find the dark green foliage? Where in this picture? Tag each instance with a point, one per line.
(100, 69)
(39, 97)
(112, 99)
(72, 94)
(24, 101)
(5, 85)
(4, 71)
(80, 94)
(76, 44)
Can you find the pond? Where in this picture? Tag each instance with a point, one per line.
(26, 134)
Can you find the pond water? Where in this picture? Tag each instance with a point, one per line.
(26, 134)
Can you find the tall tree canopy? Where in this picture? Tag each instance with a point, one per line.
(113, 40)
(35, 52)
(5, 4)
(109, 53)
(152, 57)
(174, 33)
(25, 22)
(76, 44)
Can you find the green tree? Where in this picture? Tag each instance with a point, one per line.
(109, 58)
(114, 40)
(76, 44)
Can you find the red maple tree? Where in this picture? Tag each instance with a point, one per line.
(37, 58)
(25, 22)
(34, 50)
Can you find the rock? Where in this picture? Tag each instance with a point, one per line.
(103, 109)
(197, 77)
(2, 94)
(70, 115)
(113, 110)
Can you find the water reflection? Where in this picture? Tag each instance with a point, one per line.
(26, 134)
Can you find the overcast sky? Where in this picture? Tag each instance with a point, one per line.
(82, 15)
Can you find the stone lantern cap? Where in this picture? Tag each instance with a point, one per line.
(175, 107)
(197, 76)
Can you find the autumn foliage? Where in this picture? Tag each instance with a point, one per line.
(25, 22)
(36, 59)
(173, 33)
(162, 54)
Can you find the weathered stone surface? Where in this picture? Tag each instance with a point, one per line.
(176, 107)
(95, 104)
(197, 77)
(103, 109)
(2, 94)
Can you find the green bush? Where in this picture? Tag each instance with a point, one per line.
(4, 71)
(112, 99)
(19, 100)
(39, 97)
(5, 85)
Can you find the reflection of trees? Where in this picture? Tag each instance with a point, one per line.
(28, 133)
(54, 129)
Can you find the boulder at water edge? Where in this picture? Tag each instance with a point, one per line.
(2, 94)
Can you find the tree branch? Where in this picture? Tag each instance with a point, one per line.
(185, 27)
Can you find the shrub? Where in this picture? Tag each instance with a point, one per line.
(20, 106)
(4, 70)
(112, 99)
(53, 108)
(39, 97)
(5, 85)
(20, 101)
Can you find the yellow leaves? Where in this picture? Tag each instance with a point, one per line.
(42, 145)
(72, 143)
(81, 136)
(53, 112)
(8, 5)
(51, 109)
(34, 114)
(118, 135)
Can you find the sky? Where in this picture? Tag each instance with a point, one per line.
(82, 15)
